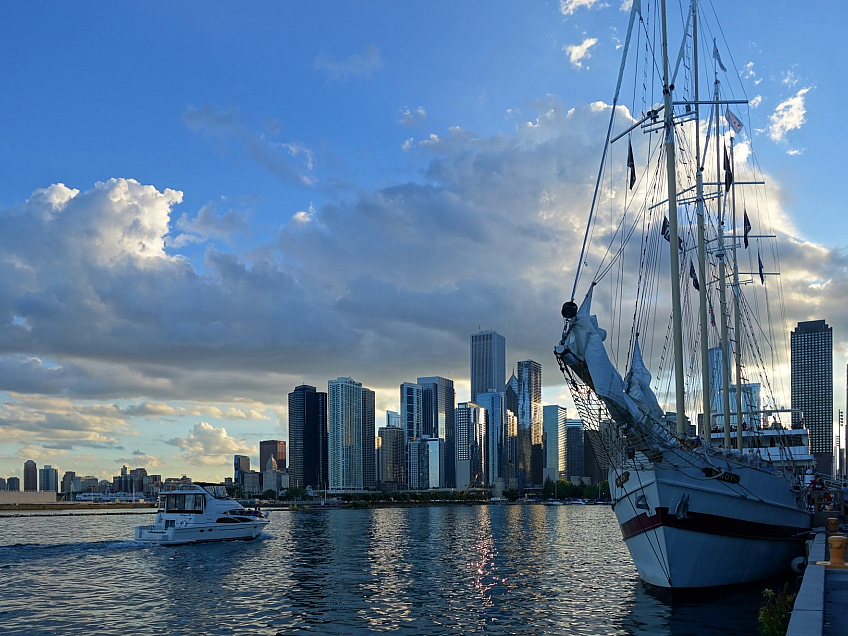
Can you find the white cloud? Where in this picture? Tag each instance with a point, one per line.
(406, 146)
(756, 101)
(578, 52)
(790, 114)
(412, 117)
(363, 64)
(569, 7)
(205, 445)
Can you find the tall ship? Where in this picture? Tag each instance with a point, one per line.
(679, 283)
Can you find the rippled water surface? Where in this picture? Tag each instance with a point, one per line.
(508, 569)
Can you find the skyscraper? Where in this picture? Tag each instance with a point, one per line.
(350, 435)
(307, 449)
(272, 448)
(438, 403)
(574, 449)
(48, 478)
(530, 458)
(470, 451)
(812, 387)
(411, 409)
(241, 466)
(30, 476)
(750, 395)
(393, 457)
(494, 455)
(553, 441)
(488, 363)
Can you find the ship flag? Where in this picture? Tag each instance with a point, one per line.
(694, 276)
(732, 120)
(666, 232)
(717, 56)
(747, 224)
(631, 164)
(762, 275)
(728, 171)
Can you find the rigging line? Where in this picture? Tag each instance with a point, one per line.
(633, 12)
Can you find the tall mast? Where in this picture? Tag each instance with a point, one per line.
(737, 329)
(702, 258)
(671, 178)
(722, 274)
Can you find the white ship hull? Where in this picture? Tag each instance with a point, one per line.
(201, 533)
(686, 530)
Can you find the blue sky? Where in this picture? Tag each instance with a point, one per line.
(294, 192)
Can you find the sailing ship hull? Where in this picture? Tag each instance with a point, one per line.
(686, 530)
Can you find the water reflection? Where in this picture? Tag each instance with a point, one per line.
(510, 569)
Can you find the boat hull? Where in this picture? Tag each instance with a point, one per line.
(208, 533)
(684, 530)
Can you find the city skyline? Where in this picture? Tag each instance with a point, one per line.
(203, 209)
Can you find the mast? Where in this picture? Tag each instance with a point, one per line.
(702, 258)
(671, 178)
(737, 329)
(722, 275)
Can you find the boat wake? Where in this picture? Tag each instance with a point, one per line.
(18, 553)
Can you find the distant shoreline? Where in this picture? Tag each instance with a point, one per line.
(71, 505)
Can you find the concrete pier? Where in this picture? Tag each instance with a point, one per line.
(821, 607)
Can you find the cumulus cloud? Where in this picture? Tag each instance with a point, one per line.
(569, 7)
(205, 445)
(363, 64)
(291, 162)
(790, 114)
(410, 117)
(579, 52)
(209, 224)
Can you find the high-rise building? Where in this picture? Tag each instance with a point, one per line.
(369, 463)
(411, 409)
(470, 421)
(574, 449)
(30, 476)
(393, 455)
(68, 481)
(494, 437)
(750, 395)
(426, 463)
(241, 467)
(812, 387)
(13, 484)
(48, 479)
(307, 449)
(553, 441)
(488, 363)
(351, 435)
(393, 419)
(272, 448)
(2, 483)
(438, 404)
(530, 452)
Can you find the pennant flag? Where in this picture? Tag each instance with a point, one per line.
(747, 228)
(728, 171)
(732, 120)
(693, 276)
(760, 261)
(666, 232)
(631, 164)
(717, 56)
(712, 315)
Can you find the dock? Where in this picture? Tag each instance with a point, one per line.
(821, 607)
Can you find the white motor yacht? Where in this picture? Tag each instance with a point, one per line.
(201, 514)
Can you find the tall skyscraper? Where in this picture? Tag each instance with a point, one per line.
(438, 403)
(272, 448)
(369, 464)
(307, 447)
(488, 363)
(411, 409)
(393, 419)
(13, 484)
(553, 441)
(68, 481)
(574, 449)
(30, 476)
(530, 457)
(812, 387)
(470, 450)
(48, 478)
(351, 435)
(241, 467)
(393, 457)
(494, 436)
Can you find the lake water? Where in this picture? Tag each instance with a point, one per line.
(505, 569)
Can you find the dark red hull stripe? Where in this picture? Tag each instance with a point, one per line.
(710, 524)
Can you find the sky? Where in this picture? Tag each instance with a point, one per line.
(203, 205)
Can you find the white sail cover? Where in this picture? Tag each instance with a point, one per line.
(637, 384)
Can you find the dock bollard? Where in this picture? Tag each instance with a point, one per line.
(837, 545)
(832, 524)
